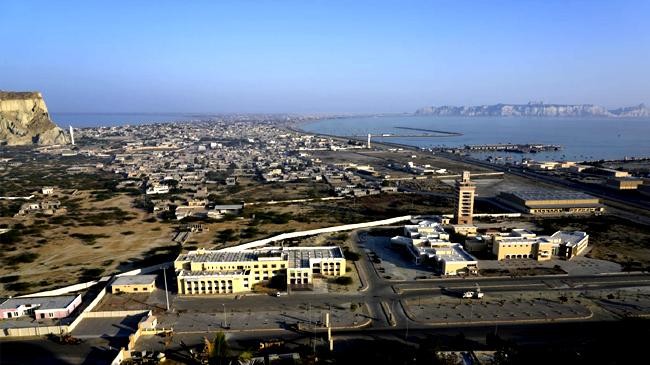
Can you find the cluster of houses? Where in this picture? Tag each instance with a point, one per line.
(177, 166)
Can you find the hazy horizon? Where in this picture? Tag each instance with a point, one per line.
(324, 57)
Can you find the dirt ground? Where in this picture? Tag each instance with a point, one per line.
(75, 250)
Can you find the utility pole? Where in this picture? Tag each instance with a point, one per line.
(225, 319)
(166, 291)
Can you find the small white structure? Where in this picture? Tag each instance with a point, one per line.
(158, 189)
(47, 190)
(40, 307)
(72, 135)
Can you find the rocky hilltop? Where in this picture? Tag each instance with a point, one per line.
(24, 120)
(535, 109)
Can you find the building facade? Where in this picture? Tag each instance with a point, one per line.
(464, 200)
(523, 244)
(134, 284)
(428, 243)
(218, 272)
(549, 202)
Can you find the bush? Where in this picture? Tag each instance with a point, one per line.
(9, 279)
(343, 280)
(10, 237)
(352, 256)
(18, 286)
(23, 258)
(88, 239)
(87, 274)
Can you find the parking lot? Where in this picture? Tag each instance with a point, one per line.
(391, 264)
(447, 310)
(237, 318)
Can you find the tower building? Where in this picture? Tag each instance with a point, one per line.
(71, 135)
(464, 203)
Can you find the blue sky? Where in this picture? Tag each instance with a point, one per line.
(323, 56)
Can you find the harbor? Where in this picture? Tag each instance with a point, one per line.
(515, 148)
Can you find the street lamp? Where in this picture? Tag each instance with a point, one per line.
(225, 319)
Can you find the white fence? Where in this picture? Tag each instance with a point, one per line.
(347, 227)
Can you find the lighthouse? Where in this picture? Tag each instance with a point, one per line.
(71, 135)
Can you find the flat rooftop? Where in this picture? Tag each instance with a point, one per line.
(455, 254)
(550, 195)
(135, 280)
(296, 256)
(570, 238)
(57, 302)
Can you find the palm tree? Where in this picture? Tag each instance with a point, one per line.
(217, 350)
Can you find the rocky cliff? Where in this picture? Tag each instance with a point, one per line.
(24, 120)
(535, 110)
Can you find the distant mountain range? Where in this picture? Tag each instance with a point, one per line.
(536, 109)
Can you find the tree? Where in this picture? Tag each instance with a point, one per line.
(217, 350)
(245, 356)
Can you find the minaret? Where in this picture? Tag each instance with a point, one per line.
(464, 203)
(368, 140)
(71, 135)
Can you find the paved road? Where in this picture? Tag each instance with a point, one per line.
(383, 297)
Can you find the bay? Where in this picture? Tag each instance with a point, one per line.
(583, 139)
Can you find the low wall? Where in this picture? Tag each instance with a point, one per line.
(32, 331)
(272, 202)
(61, 291)
(105, 314)
(347, 227)
(146, 270)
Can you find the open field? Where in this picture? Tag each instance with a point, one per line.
(92, 239)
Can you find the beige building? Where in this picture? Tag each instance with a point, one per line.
(428, 243)
(464, 203)
(548, 202)
(523, 244)
(624, 183)
(218, 272)
(134, 284)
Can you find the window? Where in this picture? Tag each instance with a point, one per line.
(50, 315)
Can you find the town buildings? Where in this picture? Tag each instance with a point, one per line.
(217, 272)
